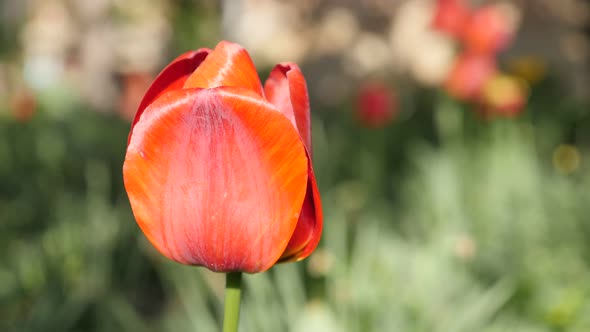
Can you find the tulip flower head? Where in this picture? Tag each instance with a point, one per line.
(218, 167)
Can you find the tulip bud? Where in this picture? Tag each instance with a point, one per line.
(218, 168)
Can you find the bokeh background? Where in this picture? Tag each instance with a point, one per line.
(451, 146)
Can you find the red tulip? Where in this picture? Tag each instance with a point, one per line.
(218, 168)
(469, 74)
(376, 104)
(450, 17)
(489, 30)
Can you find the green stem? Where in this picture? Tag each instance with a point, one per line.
(233, 290)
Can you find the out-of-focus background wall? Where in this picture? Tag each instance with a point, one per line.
(451, 143)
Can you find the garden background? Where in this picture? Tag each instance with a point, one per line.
(455, 180)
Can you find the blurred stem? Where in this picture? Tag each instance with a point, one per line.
(449, 118)
(233, 290)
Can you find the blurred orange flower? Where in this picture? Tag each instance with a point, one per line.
(450, 17)
(23, 105)
(489, 30)
(218, 168)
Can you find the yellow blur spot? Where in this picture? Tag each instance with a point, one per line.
(529, 68)
(565, 309)
(566, 159)
(320, 263)
(505, 93)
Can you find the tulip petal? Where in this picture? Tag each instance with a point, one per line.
(287, 90)
(309, 227)
(228, 65)
(170, 78)
(217, 178)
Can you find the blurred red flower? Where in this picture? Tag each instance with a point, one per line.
(218, 168)
(450, 17)
(469, 74)
(376, 104)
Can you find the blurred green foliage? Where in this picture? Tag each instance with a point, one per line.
(440, 222)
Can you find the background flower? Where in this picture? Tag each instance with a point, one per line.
(376, 104)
